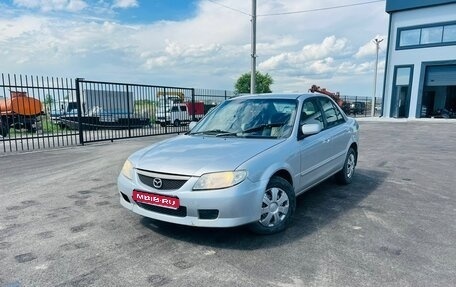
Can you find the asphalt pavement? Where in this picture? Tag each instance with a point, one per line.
(61, 223)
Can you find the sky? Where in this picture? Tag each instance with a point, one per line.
(197, 43)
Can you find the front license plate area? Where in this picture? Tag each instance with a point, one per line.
(156, 199)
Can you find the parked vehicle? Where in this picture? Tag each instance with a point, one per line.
(444, 114)
(358, 108)
(179, 113)
(64, 108)
(102, 109)
(244, 163)
(19, 111)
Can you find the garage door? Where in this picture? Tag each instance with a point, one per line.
(441, 75)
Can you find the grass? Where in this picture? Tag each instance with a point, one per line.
(45, 126)
(49, 127)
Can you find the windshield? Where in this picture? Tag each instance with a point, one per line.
(270, 118)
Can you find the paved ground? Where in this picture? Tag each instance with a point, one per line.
(61, 223)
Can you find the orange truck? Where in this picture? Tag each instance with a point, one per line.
(19, 111)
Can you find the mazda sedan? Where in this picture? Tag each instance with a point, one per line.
(243, 163)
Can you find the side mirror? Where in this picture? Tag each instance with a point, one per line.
(310, 129)
(192, 125)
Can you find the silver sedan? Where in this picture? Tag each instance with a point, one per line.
(244, 163)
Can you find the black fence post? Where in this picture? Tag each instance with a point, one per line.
(128, 114)
(165, 112)
(355, 111)
(78, 100)
(193, 105)
(225, 95)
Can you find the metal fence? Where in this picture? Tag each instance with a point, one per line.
(361, 106)
(47, 112)
(25, 105)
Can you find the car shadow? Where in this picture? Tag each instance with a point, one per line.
(314, 209)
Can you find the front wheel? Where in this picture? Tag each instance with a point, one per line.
(277, 207)
(345, 175)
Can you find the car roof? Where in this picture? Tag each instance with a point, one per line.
(291, 96)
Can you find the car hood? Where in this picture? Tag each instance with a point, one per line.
(196, 155)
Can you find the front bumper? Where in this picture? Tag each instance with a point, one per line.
(237, 205)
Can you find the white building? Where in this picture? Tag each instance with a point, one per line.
(420, 76)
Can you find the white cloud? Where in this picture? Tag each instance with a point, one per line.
(330, 45)
(76, 5)
(52, 5)
(309, 55)
(369, 49)
(210, 50)
(177, 54)
(125, 4)
(322, 66)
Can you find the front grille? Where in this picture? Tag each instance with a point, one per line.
(167, 184)
(168, 181)
(180, 212)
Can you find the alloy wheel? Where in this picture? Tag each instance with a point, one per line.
(274, 207)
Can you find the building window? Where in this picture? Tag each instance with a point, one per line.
(442, 34)
(410, 38)
(449, 33)
(431, 35)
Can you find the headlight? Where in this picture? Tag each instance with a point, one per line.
(127, 169)
(219, 180)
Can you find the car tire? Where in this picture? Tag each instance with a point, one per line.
(277, 207)
(3, 129)
(345, 175)
(176, 123)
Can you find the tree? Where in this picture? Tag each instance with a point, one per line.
(263, 83)
(48, 101)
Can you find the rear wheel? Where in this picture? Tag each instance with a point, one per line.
(3, 129)
(176, 123)
(30, 127)
(277, 207)
(345, 175)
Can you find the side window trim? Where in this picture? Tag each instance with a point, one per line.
(322, 111)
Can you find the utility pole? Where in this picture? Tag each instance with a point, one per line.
(253, 55)
(377, 42)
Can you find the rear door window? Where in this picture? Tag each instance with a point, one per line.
(331, 112)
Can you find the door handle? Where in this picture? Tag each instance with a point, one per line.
(326, 140)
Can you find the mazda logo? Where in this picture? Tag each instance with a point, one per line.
(157, 183)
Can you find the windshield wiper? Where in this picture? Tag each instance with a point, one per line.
(260, 127)
(227, 134)
(216, 132)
